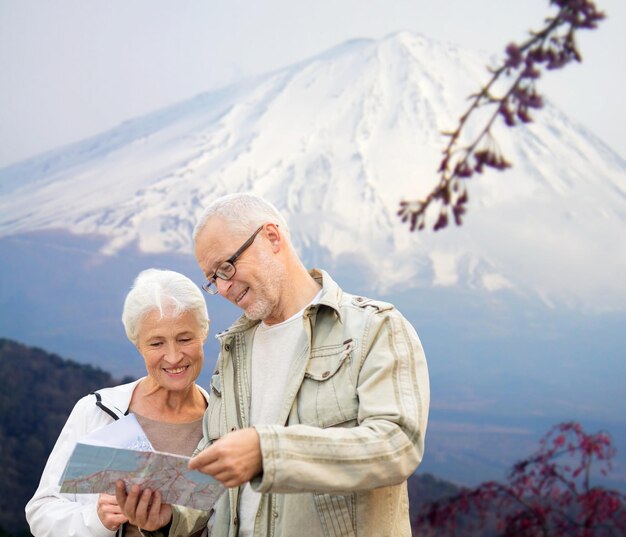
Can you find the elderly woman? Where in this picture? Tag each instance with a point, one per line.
(165, 317)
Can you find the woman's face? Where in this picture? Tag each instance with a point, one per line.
(172, 349)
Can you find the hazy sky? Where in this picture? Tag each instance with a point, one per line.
(73, 68)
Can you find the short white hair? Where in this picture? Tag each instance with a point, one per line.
(243, 212)
(168, 292)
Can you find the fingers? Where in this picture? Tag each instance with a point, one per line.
(113, 522)
(129, 502)
(203, 460)
(109, 512)
(143, 508)
(233, 460)
(127, 507)
(120, 493)
(230, 479)
(144, 505)
(158, 513)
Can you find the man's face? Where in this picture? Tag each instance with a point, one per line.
(258, 281)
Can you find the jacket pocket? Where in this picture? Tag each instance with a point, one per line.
(328, 393)
(337, 514)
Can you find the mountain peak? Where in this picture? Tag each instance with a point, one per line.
(338, 140)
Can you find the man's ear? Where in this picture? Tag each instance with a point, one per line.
(273, 234)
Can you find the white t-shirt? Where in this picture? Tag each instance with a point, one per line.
(273, 349)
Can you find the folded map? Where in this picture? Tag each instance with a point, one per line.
(95, 469)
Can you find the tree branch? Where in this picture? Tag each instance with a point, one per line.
(549, 48)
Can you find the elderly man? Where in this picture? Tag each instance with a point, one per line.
(319, 401)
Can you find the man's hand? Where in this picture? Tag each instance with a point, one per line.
(143, 509)
(109, 512)
(233, 460)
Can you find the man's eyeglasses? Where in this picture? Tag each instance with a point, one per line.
(227, 268)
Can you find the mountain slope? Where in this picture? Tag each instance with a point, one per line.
(37, 393)
(336, 141)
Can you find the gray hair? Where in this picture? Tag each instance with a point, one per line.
(243, 212)
(166, 291)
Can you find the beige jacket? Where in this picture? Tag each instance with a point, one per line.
(351, 430)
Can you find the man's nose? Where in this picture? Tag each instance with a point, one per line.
(222, 286)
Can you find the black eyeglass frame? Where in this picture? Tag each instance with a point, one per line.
(209, 286)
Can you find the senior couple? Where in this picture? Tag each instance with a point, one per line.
(316, 412)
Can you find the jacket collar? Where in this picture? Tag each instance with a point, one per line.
(331, 292)
(331, 296)
(118, 398)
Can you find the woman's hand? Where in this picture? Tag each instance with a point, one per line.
(109, 512)
(143, 508)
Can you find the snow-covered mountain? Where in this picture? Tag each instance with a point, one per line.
(336, 142)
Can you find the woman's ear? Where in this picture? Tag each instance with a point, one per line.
(208, 328)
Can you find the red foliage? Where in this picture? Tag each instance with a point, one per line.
(548, 494)
(552, 47)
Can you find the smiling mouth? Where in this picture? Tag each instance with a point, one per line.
(240, 297)
(175, 370)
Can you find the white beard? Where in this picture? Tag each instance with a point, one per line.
(267, 294)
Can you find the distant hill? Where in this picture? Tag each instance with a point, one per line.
(426, 488)
(37, 393)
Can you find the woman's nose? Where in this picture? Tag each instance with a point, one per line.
(173, 354)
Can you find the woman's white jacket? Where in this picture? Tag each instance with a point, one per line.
(52, 514)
